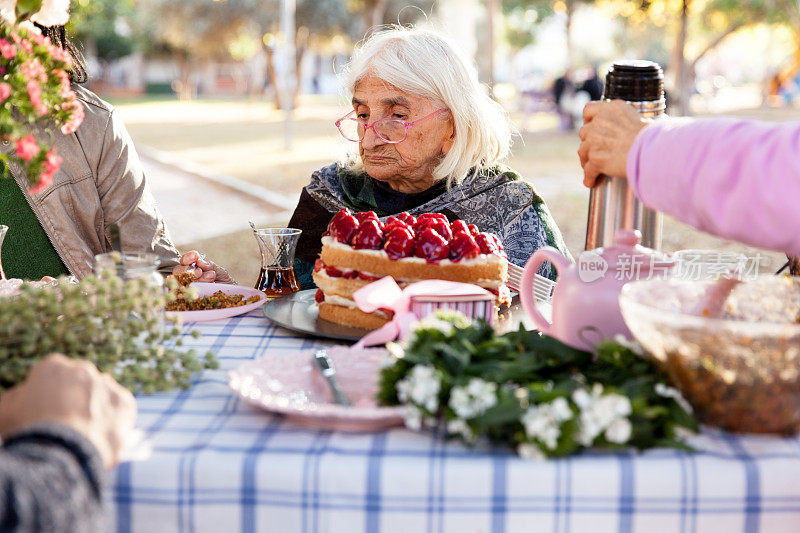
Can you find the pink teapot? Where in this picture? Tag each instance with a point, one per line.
(586, 297)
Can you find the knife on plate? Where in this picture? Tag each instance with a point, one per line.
(325, 366)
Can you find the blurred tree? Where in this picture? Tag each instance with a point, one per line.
(712, 21)
(379, 12)
(316, 23)
(725, 17)
(192, 31)
(103, 28)
(372, 12)
(522, 16)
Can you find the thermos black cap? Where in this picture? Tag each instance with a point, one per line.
(634, 80)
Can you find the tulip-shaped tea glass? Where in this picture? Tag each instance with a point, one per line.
(277, 277)
(3, 230)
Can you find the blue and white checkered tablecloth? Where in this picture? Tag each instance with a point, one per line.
(210, 462)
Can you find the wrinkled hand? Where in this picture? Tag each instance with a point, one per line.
(75, 394)
(607, 135)
(204, 270)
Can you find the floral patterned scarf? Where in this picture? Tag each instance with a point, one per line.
(496, 200)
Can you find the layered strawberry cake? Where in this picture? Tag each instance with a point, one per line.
(358, 249)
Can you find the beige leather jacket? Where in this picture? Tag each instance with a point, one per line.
(100, 182)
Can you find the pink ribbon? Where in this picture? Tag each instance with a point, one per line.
(386, 294)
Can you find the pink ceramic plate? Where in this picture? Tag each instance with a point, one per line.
(11, 287)
(290, 385)
(207, 289)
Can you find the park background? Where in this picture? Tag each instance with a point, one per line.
(231, 103)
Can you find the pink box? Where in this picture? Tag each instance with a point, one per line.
(474, 305)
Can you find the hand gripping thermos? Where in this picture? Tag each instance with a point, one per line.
(612, 204)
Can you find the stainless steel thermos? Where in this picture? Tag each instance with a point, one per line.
(612, 204)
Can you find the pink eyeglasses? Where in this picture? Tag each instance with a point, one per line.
(389, 130)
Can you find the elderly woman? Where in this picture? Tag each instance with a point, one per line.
(429, 140)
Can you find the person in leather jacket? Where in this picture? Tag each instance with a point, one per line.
(60, 229)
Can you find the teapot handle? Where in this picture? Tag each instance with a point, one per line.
(546, 253)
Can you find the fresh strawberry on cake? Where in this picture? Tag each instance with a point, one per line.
(359, 248)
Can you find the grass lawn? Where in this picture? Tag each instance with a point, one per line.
(245, 139)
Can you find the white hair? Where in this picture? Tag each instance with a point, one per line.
(425, 63)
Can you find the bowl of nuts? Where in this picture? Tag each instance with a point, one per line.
(736, 359)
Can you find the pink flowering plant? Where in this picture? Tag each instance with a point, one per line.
(35, 91)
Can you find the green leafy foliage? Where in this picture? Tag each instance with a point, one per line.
(528, 371)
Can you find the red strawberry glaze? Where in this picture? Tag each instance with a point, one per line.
(399, 243)
(499, 245)
(333, 271)
(407, 218)
(490, 244)
(319, 296)
(394, 222)
(367, 277)
(343, 226)
(336, 273)
(463, 246)
(431, 246)
(366, 215)
(369, 236)
(318, 265)
(439, 216)
(459, 226)
(432, 238)
(438, 225)
(486, 243)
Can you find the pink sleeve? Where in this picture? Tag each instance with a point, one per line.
(734, 178)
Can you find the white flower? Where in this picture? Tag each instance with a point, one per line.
(191, 293)
(457, 318)
(599, 412)
(619, 431)
(52, 13)
(387, 361)
(632, 345)
(616, 404)
(583, 398)
(675, 394)
(413, 418)
(395, 350)
(432, 322)
(530, 452)
(588, 430)
(543, 422)
(561, 409)
(459, 427)
(420, 387)
(474, 399)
